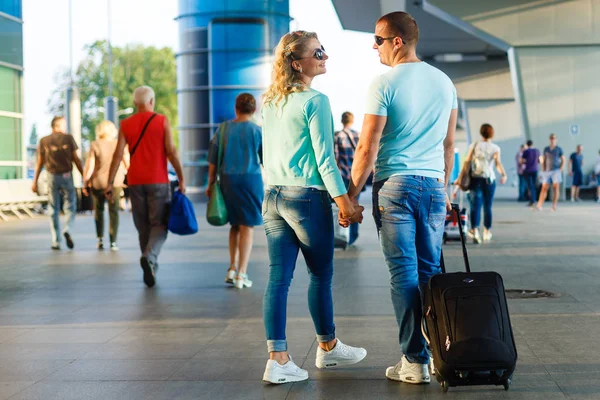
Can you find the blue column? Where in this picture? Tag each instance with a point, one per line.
(225, 49)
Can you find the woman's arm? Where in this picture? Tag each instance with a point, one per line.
(500, 167)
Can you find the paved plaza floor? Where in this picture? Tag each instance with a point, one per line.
(81, 324)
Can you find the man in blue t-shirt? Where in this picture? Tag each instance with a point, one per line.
(553, 161)
(575, 170)
(408, 133)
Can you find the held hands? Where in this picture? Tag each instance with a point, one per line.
(348, 216)
(84, 189)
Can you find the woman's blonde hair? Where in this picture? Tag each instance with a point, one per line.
(106, 129)
(285, 79)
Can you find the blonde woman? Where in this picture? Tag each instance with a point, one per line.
(96, 172)
(301, 174)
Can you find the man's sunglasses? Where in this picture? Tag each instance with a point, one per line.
(319, 54)
(379, 40)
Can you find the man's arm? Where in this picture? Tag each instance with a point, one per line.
(570, 169)
(366, 152)
(449, 146)
(38, 169)
(173, 156)
(562, 161)
(77, 162)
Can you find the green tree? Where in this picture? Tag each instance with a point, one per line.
(33, 136)
(133, 66)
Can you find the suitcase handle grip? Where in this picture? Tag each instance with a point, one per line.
(456, 209)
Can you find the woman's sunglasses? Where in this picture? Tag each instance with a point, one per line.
(319, 54)
(379, 40)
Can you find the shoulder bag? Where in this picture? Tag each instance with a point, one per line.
(216, 212)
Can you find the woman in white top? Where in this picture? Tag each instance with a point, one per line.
(480, 161)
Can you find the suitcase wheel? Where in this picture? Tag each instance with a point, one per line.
(506, 383)
(444, 386)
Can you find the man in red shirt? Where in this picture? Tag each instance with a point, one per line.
(150, 140)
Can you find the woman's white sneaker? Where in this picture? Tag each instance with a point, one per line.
(408, 372)
(230, 276)
(286, 373)
(339, 356)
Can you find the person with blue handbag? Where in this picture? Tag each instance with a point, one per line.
(234, 173)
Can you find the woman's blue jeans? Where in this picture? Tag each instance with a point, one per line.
(298, 219)
(482, 194)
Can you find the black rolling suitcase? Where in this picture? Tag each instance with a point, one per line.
(468, 327)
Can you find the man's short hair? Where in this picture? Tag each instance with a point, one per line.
(530, 143)
(553, 136)
(143, 95)
(347, 118)
(403, 25)
(55, 120)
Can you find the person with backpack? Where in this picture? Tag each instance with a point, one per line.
(344, 146)
(480, 161)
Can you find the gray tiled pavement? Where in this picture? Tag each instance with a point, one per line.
(81, 325)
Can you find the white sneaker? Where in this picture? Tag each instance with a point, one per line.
(288, 372)
(408, 372)
(487, 235)
(113, 246)
(230, 276)
(242, 280)
(474, 234)
(339, 356)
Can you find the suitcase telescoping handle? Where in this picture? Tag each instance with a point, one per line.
(456, 209)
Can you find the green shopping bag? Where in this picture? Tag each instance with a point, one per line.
(216, 212)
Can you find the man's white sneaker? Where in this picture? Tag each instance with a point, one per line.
(242, 280)
(408, 372)
(230, 276)
(339, 356)
(288, 372)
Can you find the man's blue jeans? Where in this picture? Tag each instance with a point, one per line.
(531, 180)
(482, 194)
(409, 212)
(60, 186)
(298, 219)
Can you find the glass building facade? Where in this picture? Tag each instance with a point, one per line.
(12, 142)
